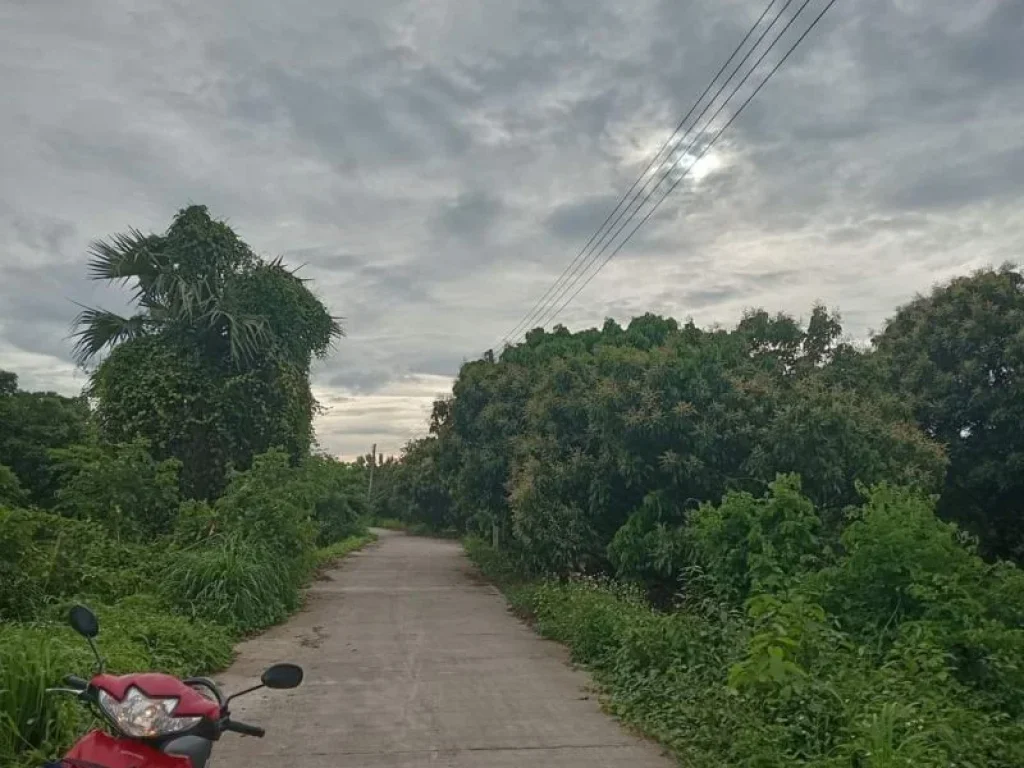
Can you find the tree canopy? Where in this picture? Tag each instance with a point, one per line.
(957, 355)
(563, 439)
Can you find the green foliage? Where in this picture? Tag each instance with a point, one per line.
(414, 490)
(899, 646)
(215, 367)
(651, 547)
(11, 492)
(44, 557)
(229, 568)
(31, 424)
(272, 504)
(119, 486)
(586, 450)
(958, 354)
(235, 582)
(204, 394)
(340, 508)
(772, 492)
(200, 284)
(248, 554)
(750, 545)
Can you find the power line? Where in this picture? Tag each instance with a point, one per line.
(532, 313)
(731, 120)
(596, 254)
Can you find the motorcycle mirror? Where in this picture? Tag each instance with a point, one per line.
(282, 676)
(84, 622)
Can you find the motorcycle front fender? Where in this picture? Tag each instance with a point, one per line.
(100, 748)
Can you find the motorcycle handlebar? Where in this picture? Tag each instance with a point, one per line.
(242, 728)
(76, 682)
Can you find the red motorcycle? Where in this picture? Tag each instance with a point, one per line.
(158, 721)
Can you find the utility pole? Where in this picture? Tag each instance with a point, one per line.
(369, 486)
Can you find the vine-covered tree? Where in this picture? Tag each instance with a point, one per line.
(214, 366)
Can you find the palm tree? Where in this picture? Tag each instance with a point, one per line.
(195, 284)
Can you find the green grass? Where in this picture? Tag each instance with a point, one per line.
(234, 583)
(327, 556)
(388, 524)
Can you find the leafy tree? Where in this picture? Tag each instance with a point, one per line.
(958, 354)
(572, 442)
(214, 367)
(33, 423)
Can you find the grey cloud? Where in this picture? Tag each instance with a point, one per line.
(958, 182)
(470, 215)
(361, 380)
(438, 363)
(580, 219)
(435, 170)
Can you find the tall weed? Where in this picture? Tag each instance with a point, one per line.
(235, 582)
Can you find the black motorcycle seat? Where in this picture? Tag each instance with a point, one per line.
(194, 748)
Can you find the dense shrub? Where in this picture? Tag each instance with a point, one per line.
(45, 557)
(584, 448)
(957, 356)
(31, 425)
(898, 646)
(11, 492)
(340, 506)
(119, 486)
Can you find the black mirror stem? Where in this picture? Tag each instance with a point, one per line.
(100, 663)
(240, 693)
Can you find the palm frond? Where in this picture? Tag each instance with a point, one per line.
(98, 328)
(249, 336)
(123, 257)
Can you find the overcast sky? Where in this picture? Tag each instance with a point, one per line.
(436, 164)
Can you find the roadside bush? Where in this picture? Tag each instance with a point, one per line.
(176, 604)
(652, 549)
(45, 557)
(121, 487)
(746, 544)
(589, 616)
(899, 647)
(233, 581)
(339, 507)
(246, 556)
(273, 504)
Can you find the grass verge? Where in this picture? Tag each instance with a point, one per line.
(327, 556)
(718, 687)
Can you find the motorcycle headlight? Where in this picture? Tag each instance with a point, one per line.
(141, 717)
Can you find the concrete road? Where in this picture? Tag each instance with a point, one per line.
(411, 660)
